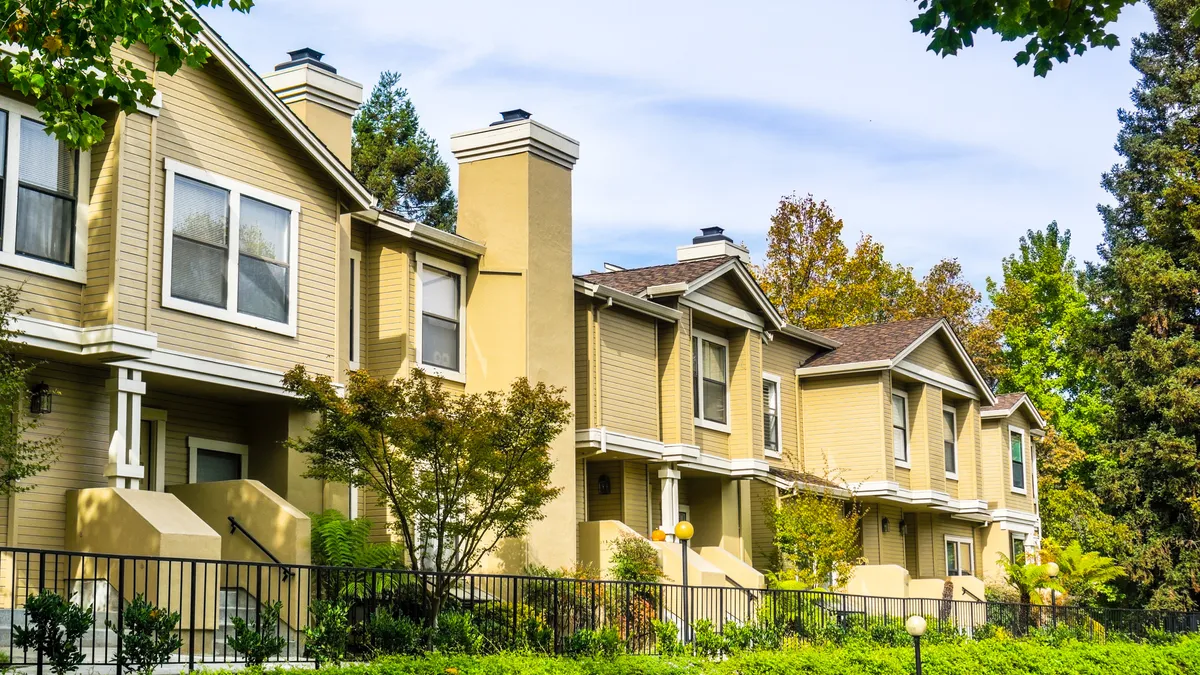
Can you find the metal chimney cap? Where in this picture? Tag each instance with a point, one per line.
(514, 115)
(708, 234)
(306, 56)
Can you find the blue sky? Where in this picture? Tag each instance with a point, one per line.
(706, 113)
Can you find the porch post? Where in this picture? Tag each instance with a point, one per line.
(670, 500)
(125, 391)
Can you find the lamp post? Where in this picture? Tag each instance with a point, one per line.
(684, 532)
(1052, 572)
(916, 628)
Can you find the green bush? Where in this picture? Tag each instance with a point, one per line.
(385, 634)
(325, 638)
(635, 559)
(706, 641)
(57, 626)
(456, 633)
(666, 638)
(148, 636)
(605, 642)
(509, 627)
(262, 641)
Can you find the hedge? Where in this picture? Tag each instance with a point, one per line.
(984, 657)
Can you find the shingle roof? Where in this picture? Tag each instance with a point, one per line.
(1004, 402)
(638, 279)
(876, 342)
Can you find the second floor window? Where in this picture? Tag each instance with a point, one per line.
(1016, 441)
(950, 442)
(771, 431)
(229, 251)
(900, 427)
(710, 378)
(440, 308)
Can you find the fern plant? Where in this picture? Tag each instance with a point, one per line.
(338, 541)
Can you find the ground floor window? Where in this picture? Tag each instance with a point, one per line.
(960, 557)
(211, 460)
(1018, 548)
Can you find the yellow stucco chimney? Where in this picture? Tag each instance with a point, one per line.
(322, 99)
(514, 196)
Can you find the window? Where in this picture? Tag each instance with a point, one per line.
(441, 307)
(44, 224)
(210, 460)
(900, 428)
(229, 250)
(1018, 548)
(960, 556)
(710, 381)
(355, 310)
(1016, 441)
(772, 434)
(950, 441)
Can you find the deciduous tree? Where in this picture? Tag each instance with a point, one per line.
(816, 536)
(23, 454)
(459, 473)
(65, 55)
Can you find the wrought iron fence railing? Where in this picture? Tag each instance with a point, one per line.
(532, 613)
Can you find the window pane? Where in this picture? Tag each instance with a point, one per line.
(262, 288)
(45, 226)
(951, 558)
(212, 465)
(770, 396)
(149, 456)
(695, 377)
(3, 143)
(1018, 549)
(439, 342)
(439, 293)
(714, 401)
(1018, 450)
(950, 446)
(900, 444)
(964, 558)
(1018, 469)
(201, 212)
(263, 230)
(714, 362)
(45, 162)
(951, 460)
(771, 432)
(198, 272)
(899, 416)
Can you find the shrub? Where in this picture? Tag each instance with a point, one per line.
(148, 636)
(325, 638)
(509, 627)
(57, 628)
(635, 559)
(456, 633)
(706, 641)
(566, 597)
(259, 642)
(666, 637)
(385, 634)
(592, 643)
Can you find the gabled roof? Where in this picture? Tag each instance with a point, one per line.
(635, 281)
(884, 346)
(1007, 404)
(322, 155)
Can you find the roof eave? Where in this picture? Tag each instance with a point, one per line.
(626, 300)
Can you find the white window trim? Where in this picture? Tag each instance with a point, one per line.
(699, 419)
(778, 414)
(1013, 538)
(951, 475)
(8, 245)
(354, 327)
(905, 463)
(237, 190)
(159, 447)
(195, 444)
(459, 375)
(1024, 460)
(960, 540)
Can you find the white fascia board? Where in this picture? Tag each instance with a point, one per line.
(627, 301)
(971, 509)
(942, 325)
(604, 441)
(677, 288)
(680, 452)
(446, 241)
(809, 336)
(937, 379)
(861, 366)
(723, 310)
(103, 341)
(1011, 516)
(212, 371)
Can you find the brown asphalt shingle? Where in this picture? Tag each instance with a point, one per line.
(1004, 402)
(875, 342)
(638, 279)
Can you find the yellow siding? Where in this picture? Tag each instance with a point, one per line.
(580, 490)
(218, 419)
(360, 242)
(636, 498)
(726, 289)
(745, 394)
(628, 374)
(604, 507)
(99, 293)
(386, 305)
(997, 460)
(936, 354)
(995, 472)
(675, 380)
(944, 525)
(842, 426)
(135, 228)
(781, 357)
(584, 363)
(712, 442)
(762, 546)
(879, 547)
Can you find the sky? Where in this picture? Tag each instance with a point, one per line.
(703, 113)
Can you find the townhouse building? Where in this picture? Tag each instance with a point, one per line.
(177, 269)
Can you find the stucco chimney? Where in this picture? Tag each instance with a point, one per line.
(711, 243)
(324, 100)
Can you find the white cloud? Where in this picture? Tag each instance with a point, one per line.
(705, 113)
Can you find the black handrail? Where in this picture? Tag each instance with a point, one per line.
(238, 527)
(966, 592)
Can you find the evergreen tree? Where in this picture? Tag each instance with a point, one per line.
(397, 161)
(1147, 292)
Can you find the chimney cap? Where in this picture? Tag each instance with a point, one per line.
(306, 56)
(708, 234)
(514, 115)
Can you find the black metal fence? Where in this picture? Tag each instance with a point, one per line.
(390, 610)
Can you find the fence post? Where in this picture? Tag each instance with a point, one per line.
(41, 659)
(120, 609)
(192, 624)
(557, 618)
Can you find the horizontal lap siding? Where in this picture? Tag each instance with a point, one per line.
(584, 363)
(995, 462)
(359, 241)
(215, 419)
(628, 374)
(725, 290)
(762, 537)
(98, 293)
(842, 419)
(135, 230)
(934, 354)
(389, 270)
(604, 507)
(635, 497)
(781, 357)
(208, 121)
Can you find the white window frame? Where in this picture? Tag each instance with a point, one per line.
(354, 326)
(237, 190)
(8, 243)
(195, 443)
(906, 461)
(951, 475)
(950, 538)
(441, 265)
(699, 405)
(158, 448)
(1013, 538)
(1024, 460)
(770, 377)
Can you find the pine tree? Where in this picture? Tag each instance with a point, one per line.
(1147, 291)
(398, 161)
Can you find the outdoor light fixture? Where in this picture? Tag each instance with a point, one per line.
(1052, 572)
(886, 526)
(684, 532)
(916, 628)
(658, 535)
(604, 485)
(903, 528)
(41, 399)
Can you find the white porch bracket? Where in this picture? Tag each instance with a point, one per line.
(125, 390)
(670, 500)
